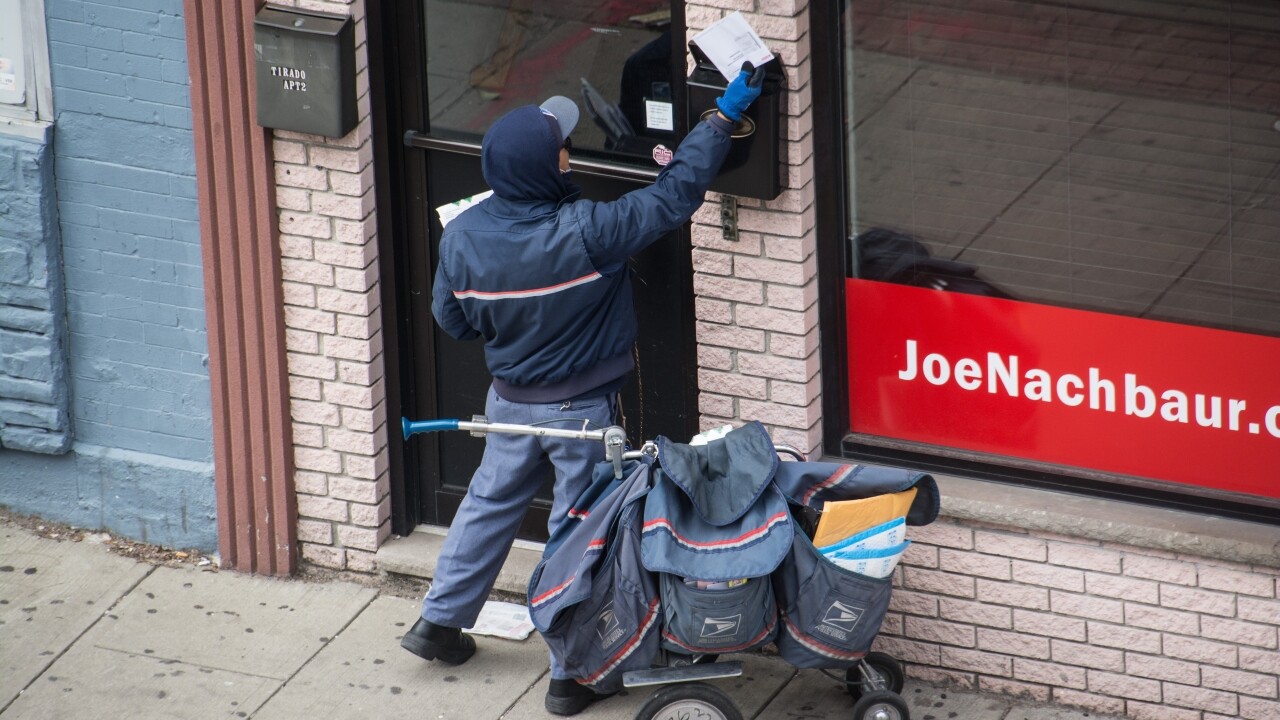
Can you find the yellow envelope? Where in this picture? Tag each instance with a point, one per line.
(846, 518)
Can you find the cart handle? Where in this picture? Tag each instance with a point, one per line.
(413, 427)
(613, 437)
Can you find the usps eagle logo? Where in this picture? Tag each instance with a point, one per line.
(842, 617)
(608, 629)
(726, 627)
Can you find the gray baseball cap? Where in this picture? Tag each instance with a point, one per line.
(564, 110)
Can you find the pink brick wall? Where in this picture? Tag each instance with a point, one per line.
(324, 188)
(756, 296)
(1113, 628)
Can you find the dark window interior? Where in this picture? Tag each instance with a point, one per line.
(486, 58)
(1114, 156)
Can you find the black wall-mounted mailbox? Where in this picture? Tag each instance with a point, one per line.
(756, 165)
(306, 70)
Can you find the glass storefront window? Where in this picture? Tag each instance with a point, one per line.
(613, 59)
(1095, 189)
(1121, 157)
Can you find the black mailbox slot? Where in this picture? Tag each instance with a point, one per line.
(306, 71)
(756, 165)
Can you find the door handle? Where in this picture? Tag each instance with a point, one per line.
(601, 168)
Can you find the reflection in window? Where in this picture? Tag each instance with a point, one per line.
(1122, 157)
(613, 59)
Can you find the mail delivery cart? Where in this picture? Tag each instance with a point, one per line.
(680, 555)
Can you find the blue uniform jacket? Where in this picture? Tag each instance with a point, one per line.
(541, 275)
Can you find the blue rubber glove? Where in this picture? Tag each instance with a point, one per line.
(741, 92)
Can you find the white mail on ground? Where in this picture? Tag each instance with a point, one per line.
(504, 620)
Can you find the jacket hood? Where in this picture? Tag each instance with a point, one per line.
(520, 157)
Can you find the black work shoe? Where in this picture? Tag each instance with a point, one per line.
(437, 642)
(567, 697)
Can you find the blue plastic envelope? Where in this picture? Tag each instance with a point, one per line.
(877, 563)
(873, 538)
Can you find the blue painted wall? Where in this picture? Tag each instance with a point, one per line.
(136, 350)
(34, 388)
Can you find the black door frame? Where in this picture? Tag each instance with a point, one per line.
(397, 65)
(830, 221)
(398, 103)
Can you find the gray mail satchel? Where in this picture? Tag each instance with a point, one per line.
(590, 597)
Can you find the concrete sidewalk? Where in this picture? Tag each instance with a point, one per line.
(85, 633)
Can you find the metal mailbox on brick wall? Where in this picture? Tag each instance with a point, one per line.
(306, 71)
(756, 164)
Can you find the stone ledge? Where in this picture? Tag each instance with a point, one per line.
(154, 499)
(37, 130)
(1110, 521)
(962, 499)
(416, 556)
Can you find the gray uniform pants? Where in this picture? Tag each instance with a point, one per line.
(509, 476)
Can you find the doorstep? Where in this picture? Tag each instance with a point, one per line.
(416, 554)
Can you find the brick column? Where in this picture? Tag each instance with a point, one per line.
(325, 191)
(756, 297)
(252, 466)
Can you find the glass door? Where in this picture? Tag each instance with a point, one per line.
(617, 61)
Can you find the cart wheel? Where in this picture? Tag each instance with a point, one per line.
(689, 700)
(883, 668)
(880, 705)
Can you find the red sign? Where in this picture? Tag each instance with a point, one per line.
(662, 154)
(1090, 390)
